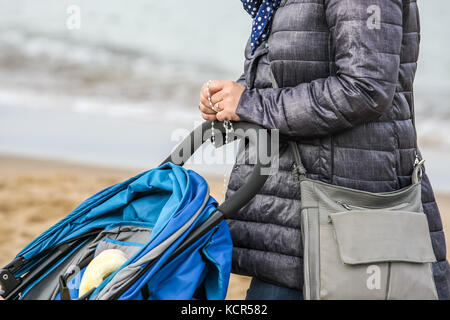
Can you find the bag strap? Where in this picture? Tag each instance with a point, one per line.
(299, 168)
(418, 163)
(417, 172)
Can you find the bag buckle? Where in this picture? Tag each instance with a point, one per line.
(418, 171)
(298, 172)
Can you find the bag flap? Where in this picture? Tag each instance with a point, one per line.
(366, 236)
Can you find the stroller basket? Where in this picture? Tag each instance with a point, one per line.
(168, 228)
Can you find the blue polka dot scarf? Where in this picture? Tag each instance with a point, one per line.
(261, 11)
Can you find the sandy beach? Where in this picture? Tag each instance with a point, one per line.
(36, 193)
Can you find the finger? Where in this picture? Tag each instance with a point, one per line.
(204, 92)
(222, 116)
(219, 106)
(226, 115)
(217, 97)
(205, 109)
(209, 117)
(208, 87)
(217, 85)
(206, 103)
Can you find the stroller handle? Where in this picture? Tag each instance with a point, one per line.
(242, 130)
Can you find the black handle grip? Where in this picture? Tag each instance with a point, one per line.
(242, 130)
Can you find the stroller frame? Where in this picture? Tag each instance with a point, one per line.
(13, 286)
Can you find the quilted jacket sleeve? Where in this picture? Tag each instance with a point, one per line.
(241, 80)
(367, 56)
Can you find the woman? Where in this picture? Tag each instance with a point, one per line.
(336, 76)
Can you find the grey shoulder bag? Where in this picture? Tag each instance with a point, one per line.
(363, 245)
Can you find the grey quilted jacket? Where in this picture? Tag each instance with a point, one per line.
(345, 76)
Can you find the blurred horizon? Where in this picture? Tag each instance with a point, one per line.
(113, 92)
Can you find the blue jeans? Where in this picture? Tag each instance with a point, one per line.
(260, 290)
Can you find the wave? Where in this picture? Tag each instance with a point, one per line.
(55, 64)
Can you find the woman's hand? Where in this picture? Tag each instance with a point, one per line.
(225, 96)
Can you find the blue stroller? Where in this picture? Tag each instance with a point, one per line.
(175, 242)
